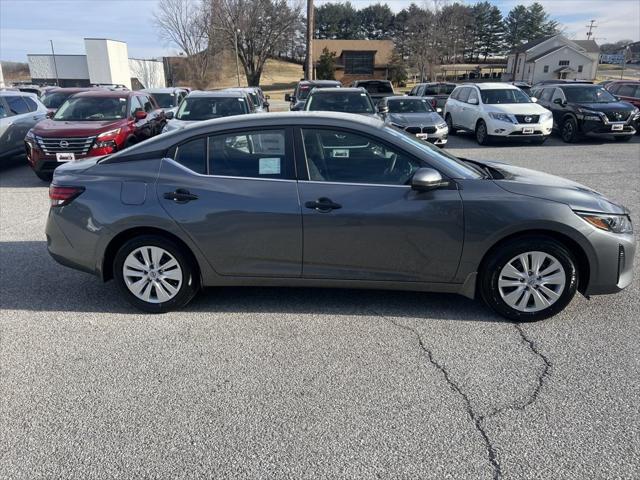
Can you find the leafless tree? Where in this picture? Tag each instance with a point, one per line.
(146, 71)
(262, 28)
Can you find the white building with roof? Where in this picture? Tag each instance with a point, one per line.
(551, 58)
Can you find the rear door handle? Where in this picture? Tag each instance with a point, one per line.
(323, 205)
(180, 196)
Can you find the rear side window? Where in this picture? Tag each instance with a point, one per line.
(17, 105)
(31, 103)
(472, 94)
(546, 94)
(252, 154)
(455, 94)
(463, 96)
(627, 91)
(193, 154)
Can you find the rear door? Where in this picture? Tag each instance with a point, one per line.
(361, 219)
(236, 196)
(19, 122)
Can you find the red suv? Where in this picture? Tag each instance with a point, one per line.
(92, 123)
(629, 91)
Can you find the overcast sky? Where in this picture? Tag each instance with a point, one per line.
(26, 26)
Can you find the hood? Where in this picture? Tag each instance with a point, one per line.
(425, 119)
(523, 181)
(517, 108)
(56, 128)
(607, 107)
(175, 124)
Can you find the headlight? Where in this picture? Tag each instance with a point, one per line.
(546, 116)
(503, 117)
(589, 114)
(30, 136)
(441, 126)
(610, 223)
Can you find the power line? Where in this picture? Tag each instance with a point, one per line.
(591, 26)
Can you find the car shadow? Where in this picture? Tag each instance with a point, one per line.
(466, 140)
(31, 280)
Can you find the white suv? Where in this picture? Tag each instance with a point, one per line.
(497, 110)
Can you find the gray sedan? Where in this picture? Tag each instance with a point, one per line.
(332, 200)
(416, 116)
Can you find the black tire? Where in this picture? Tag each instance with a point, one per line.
(45, 177)
(482, 134)
(190, 284)
(493, 265)
(569, 130)
(449, 120)
(625, 138)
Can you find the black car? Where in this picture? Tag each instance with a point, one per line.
(345, 100)
(585, 109)
(438, 92)
(300, 94)
(377, 89)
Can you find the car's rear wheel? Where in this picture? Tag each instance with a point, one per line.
(155, 274)
(452, 129)
(529, 279)
(569, 130)
(482, 135)
(624, 138)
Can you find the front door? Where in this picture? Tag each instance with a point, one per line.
(236, 196)
(361, 219)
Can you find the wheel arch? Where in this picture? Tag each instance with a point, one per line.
(582, 259)
(116, 242)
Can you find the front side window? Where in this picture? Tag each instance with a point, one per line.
(193, 154)
(146, 103)
(204, 108)
(92, 109)
(17, 105)
(502, 96)
(31, 103)
(546, 94)
(252, 154)
(134, 105)
(344, 157)
(463, 96)
(409, 106)
(166, 100)
(588, 94)
(348, 102)
(358, 63)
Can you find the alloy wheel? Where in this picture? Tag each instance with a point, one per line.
(481, 132)
(152, 274)
(567, 131)
(532, 281)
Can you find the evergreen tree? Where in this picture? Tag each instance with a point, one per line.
(326, 65)
(376, 22)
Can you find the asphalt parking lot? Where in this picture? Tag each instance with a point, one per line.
(301, 383)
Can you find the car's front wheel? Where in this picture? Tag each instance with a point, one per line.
(482, 135)
(449, 120)
(569, 130)
(155, 274)
(529, 279)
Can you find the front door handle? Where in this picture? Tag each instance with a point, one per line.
(180, 196)
(323, 205)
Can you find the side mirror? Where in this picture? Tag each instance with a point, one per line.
(168, 115)
(50, 113)
(473, 101)
(288, 97)
(140, 115)
(427, 179)
(534, 99)
(383, 109)
(558, 101)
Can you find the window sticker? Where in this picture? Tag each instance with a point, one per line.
(269, 166)
(340, 153)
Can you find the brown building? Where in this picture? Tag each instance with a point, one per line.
(357, 59)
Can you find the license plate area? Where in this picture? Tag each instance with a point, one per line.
(617, 128)
(65, 157)
(422, 136)
(527, 130)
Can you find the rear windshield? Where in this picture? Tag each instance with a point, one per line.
(92, 109)
(166, 100)
(54, 99)
(204, 108)
(500, 96)
(409, 106)
(377, 87)
(588, 94)
(348, 102)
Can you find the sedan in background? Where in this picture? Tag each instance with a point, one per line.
(332, 200)
(416, 116)
(19, 112)
(345, 100)
(205, 105)
(167, 98)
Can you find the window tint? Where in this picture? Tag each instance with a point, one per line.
(463, 96)
(147, 105)
(430, 90)
(337, 156)
(192, 155)
(31, 103)
(455, 94)
(3, 112)
(17, 105)
(447, 88)
(546, 94)
(258, 154)
(627, 90)
(472, 94)
(613, 88)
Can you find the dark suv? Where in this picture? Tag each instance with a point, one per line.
(583, 109)
(438, 92)
(93, 123)
(377, 89)
(299, 96)
(345, 100)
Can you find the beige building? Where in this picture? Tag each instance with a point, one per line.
(357, 59)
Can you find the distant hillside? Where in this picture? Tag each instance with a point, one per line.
(15, 71)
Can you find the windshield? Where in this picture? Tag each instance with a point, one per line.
(409, 106)
(54, 100)
(92, 109)
(204, 108)
(498, 96)
(463, 169)
(588, 95)
(377, 87)
(348, 102)
(165, 100)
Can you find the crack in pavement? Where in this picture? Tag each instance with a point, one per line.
(479, 420)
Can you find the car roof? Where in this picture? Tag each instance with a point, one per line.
(319, 82)
(339, 91)
(73, 89)
(404, 97)
(100, 92)
(13, 93)
(216, 93)
(571, 85)
(161, 90)
(492, 86)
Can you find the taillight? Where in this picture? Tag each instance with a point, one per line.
(61, 196)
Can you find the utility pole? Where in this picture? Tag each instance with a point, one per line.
(591, 26)
(235, 36)
(55, 66)
(309, 62)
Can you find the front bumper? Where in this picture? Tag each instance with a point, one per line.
(612, 267)
(438, 137)
(603, 127)
(499, 128)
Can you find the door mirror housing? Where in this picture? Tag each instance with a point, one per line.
(383, 109)
(473, 101)
(50, 113)
(425, 179)
(168, 115)
(140, 115)
(558, 101)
